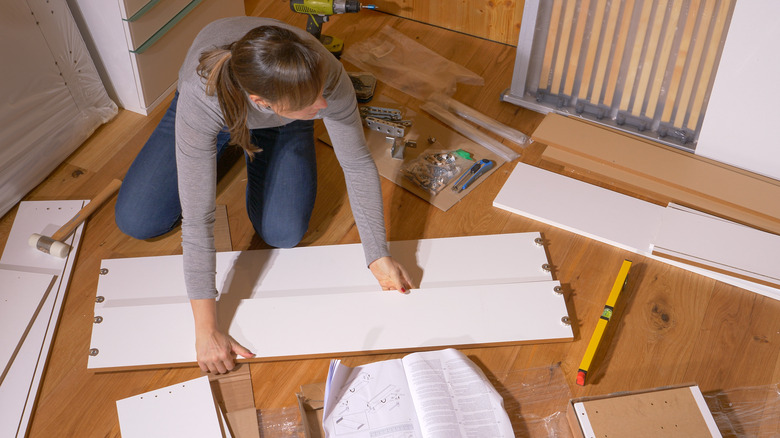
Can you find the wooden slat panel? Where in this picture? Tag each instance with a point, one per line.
(681, 61)
(689, 84)
(710, 63)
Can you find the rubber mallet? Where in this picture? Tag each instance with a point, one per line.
(55, 244)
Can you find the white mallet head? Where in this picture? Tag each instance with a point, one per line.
(49, 246)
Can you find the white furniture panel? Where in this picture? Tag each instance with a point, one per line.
(19, 388)
(20, 299)
(474, 290)
(454, 261)
(185, 409)
(581, 208)
(721, 244)
(338, 323)
(599, 214)
(740, 127)
(140, 74)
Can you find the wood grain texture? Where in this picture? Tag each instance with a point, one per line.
(672, 326)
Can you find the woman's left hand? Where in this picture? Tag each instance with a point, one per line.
(391, 275)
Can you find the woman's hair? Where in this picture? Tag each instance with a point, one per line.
(270, 62)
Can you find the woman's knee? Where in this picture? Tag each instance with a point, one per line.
(140, 223)
(286, 236)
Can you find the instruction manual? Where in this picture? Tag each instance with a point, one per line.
(428, 394)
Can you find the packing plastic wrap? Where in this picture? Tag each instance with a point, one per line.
(52, 97)
(402, 63)
(536, 400)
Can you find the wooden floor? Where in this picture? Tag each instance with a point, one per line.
(671, 326)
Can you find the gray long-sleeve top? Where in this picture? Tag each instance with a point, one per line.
(199, 119)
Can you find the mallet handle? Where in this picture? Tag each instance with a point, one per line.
(88, 209)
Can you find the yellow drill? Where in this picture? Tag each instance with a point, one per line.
(319, 11)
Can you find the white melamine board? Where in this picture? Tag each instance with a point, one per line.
(20, 385)
(184, 409)
(598, 214)
(725, 270)
(726, 245)
(336, 323)
(499, 258)
(20, 298)
(739, 127)
(581, 208)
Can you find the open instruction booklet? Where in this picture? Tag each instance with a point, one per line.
(428, 394)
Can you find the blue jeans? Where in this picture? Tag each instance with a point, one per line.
(280, 191)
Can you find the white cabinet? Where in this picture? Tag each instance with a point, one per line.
(139, 45)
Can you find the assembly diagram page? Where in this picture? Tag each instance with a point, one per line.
(370, 401)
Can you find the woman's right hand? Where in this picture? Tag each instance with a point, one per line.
(216, 351)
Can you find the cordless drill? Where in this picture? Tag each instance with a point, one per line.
(319, 11)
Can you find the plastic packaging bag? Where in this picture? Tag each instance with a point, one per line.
(402, 63)
(433, 170)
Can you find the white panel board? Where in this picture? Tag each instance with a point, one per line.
(336, 268)
(333, 323)
(720, 243)
(20, 385)
(581, 208)
(596, 213)
(740, 126)
(184, 409)
(20, 298)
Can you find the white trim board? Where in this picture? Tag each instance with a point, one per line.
(591, 211)
(19, 388)
(184, 409)
(722, 244)
(597, 213)
(337, 323)
(20, 299)
(335, 268)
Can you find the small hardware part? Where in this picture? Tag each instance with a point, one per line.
(387, 127)
(398, 148)
(380, 113)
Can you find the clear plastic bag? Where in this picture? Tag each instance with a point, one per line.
(405, 64)
(433, 170)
